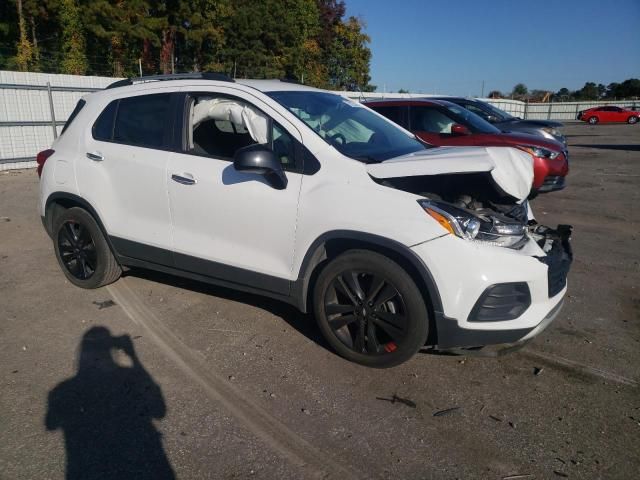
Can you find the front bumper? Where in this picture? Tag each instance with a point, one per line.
(552, 183)
(464, 272)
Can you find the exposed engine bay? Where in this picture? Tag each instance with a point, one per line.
(474, 207)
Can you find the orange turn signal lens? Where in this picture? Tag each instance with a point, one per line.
(441, 219)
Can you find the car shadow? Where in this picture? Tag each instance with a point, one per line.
(631, 148)
(106, 412)
(302, 322)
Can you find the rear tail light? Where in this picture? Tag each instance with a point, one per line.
(41, 158)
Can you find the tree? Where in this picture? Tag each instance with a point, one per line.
(26, 55)
(588, 92)
(520, 90)
(402, 90)
(350, 57)
(73, 41)
(495, 94)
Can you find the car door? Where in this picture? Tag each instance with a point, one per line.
(607, 114)
(434, 127)
(231, 225)
(122, 174)
(618, 114)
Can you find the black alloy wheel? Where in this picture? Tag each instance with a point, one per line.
(369, 309)
(77, 250)
(82, 251)
(366, 312)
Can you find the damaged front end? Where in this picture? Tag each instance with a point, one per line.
(557, 246)
(473, 207)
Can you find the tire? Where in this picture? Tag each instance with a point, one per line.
(593, 120)
(82, 251)
(632, 119)
(375, 324)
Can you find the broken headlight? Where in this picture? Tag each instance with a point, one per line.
(494, 229)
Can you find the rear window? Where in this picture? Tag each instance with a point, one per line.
(103, 128)
(73, 115)
(138, 121)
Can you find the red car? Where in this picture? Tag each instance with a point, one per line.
(608, 114)
(443, 123)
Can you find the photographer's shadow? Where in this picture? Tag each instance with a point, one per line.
(106, 412)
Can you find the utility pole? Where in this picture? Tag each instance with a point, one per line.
(140, 65)
(482, 94)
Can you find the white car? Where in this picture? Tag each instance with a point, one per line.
(308, 197)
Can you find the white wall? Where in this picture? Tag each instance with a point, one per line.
(18, 142)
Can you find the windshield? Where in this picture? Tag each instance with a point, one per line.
(351, 128)
(473, 122)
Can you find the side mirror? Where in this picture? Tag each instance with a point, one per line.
(457, 129)
(261, 160)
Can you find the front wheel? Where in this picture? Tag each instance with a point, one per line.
(631, 120)
(370, 310)
(593, 120)
(82, 251)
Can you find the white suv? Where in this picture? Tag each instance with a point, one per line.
(305, 196)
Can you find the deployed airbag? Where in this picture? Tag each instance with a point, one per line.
(240, 114)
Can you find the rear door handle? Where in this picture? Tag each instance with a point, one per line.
(184, 179)
(95, 156)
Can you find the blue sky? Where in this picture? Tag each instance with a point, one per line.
(450, 47)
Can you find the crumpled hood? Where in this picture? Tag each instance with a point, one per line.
(510, 168)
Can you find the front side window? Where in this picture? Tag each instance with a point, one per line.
(349, 127)
(395, 114)
(440, 119)
(220, 125)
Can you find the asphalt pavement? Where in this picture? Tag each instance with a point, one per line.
(160, 377)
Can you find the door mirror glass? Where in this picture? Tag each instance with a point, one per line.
(457, 129)
(261, 160)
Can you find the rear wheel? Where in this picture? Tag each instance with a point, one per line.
(82, 251)
(593, 120)
(370, 310)
(632, 119)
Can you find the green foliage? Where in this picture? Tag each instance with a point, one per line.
(73, 40)
(403, 90)
(308, 40)
(520, 90)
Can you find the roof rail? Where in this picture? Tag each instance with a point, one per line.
(221, 77)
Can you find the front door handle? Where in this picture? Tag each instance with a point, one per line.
(95, 156)
(184, 179)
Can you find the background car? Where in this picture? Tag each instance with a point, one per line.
(508, 123)
(442, 123)
(608, 114)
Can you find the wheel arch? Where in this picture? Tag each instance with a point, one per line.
(331, 244)
(60, 201)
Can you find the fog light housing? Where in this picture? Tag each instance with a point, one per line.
(501, 302)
